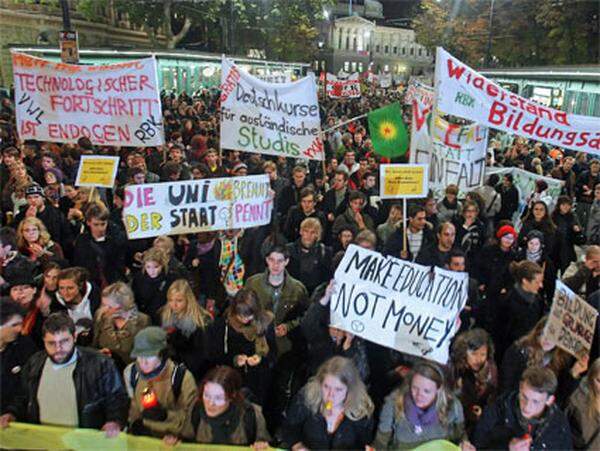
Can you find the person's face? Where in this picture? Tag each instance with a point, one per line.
(10, 330)
(22, 295)
(153, 269)
(271, 173)
(457, 264)
(276, 263)
(59, 346)
(177, 303)
(546, 344)
(566, 208)
(148, 364)
(334, 164)
(339, 182)
(539, 212)
(593, 260)
(35, 200)
(451, 197)
(69, 291)
(176, 154)
(363, 164)
(214, 399)
(430, 207)
(423, 391)
(534, 245)
(51, 279)
(241, 172)
(447, 236)
(174, 176)
(470, 213)
(97, 227)
(507, 183)
(70, 192)
(9, 160)
(139, 179)
(370, 182)
(595, 168)
(507, 241)
(47, 163)
(197, 174)
(110, 306)
(349, 159)
(356, 205)
(596, 382)
(50, 178)
(476, 359)
(333, 390)
(31, 233)
(211, 159)
(533, 403)
(346, 238)
(533, 286)
(299, 178)
(568, 164)
(597, 192)
(308, 204)
(418, 222)
(308, 236)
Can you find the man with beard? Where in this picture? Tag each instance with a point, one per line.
(70, 386)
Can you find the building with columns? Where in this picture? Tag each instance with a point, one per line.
(353, 44)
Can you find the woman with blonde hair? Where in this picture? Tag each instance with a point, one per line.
(332, 411)
(34, 242)
(150, 285)
(186, 323)
(583, 410)
(13, 193)
(116, 323)
(423, 409)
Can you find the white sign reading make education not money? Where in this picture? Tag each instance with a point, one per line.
(571, 323)
(455, 154)
(197, 206)
(115, 104)
(398, 304)
(463, 92)
(270, 118)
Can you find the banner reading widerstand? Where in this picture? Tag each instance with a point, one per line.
(270, 118)
(116, 104)
(348, 88)
(398, 304)
(197, 206)
(455, 154)
(463, 92)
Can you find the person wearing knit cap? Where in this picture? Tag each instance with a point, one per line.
(506, 230)
(535, 251)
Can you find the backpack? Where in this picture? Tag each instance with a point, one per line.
(176, 379)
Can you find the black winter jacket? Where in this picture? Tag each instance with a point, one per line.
(101, 395)
(12, 361)
(499, 424)
(394, 244)
(311, 266)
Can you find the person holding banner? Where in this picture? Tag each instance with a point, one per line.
(423, 409)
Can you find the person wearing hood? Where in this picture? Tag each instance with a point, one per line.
(583, 410)
(162, 393)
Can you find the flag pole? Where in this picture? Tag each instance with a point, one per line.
(404, 231)
(345, 122)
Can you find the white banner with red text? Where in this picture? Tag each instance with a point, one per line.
(343, 88)
(114, 105)
(463, 92)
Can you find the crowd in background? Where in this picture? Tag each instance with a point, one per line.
(224, 337)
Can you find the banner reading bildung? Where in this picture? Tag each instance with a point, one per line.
(338, 88)
(197, 206)
(398, 304)
(463, 92)
(270, 118)
(455, 153)
(115, 104)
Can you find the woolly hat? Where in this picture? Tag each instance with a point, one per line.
(505, 230)
(535, 234)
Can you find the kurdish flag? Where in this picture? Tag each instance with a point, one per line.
(388, 132)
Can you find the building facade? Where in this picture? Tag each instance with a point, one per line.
(355, 44)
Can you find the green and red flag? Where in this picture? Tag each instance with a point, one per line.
(388, 133)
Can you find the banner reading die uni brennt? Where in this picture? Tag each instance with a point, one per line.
(343, 88)
(116, 104)
(455, 154)
(270, 118)
(463, 92)
(193, 206)
(397, 303)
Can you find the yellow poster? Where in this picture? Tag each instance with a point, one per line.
(97, 170)
(403, 181)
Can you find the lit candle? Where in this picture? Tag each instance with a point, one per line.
(149, 399)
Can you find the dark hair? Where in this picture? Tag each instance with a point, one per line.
(457, 252)
(341, 171)
(279, 249)
(8, 309)
(245, 303)
(58, 322)
(542, 380)
(228, 378)
(97, 211)
(305, 192)
(471, 340)
(8, 237)
(524, 269)
(414, 210)
(493, 180)
(76, 273)
(355, 194)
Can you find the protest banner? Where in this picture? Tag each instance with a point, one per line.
(97, 170)
(385, 80)
(35, 436)
(197, 206)
(571, 323)
(397, 303)
(454, 153)
(115, 104)
(270, 118)
(403, 181)
(338, 88)
(463, 92)
(275, 78)
(524, 181)
(417, 91)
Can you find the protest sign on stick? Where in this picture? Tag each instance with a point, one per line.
(115, 104)
(197, 206)
(572, 322)
(97, 170)
(465, 93)
(270, 118)
(338, 88)
(403, 181)
(398, 304)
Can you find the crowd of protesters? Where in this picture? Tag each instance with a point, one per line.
(224, 337)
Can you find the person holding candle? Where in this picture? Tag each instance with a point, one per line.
(162, 393)
(332, 411)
